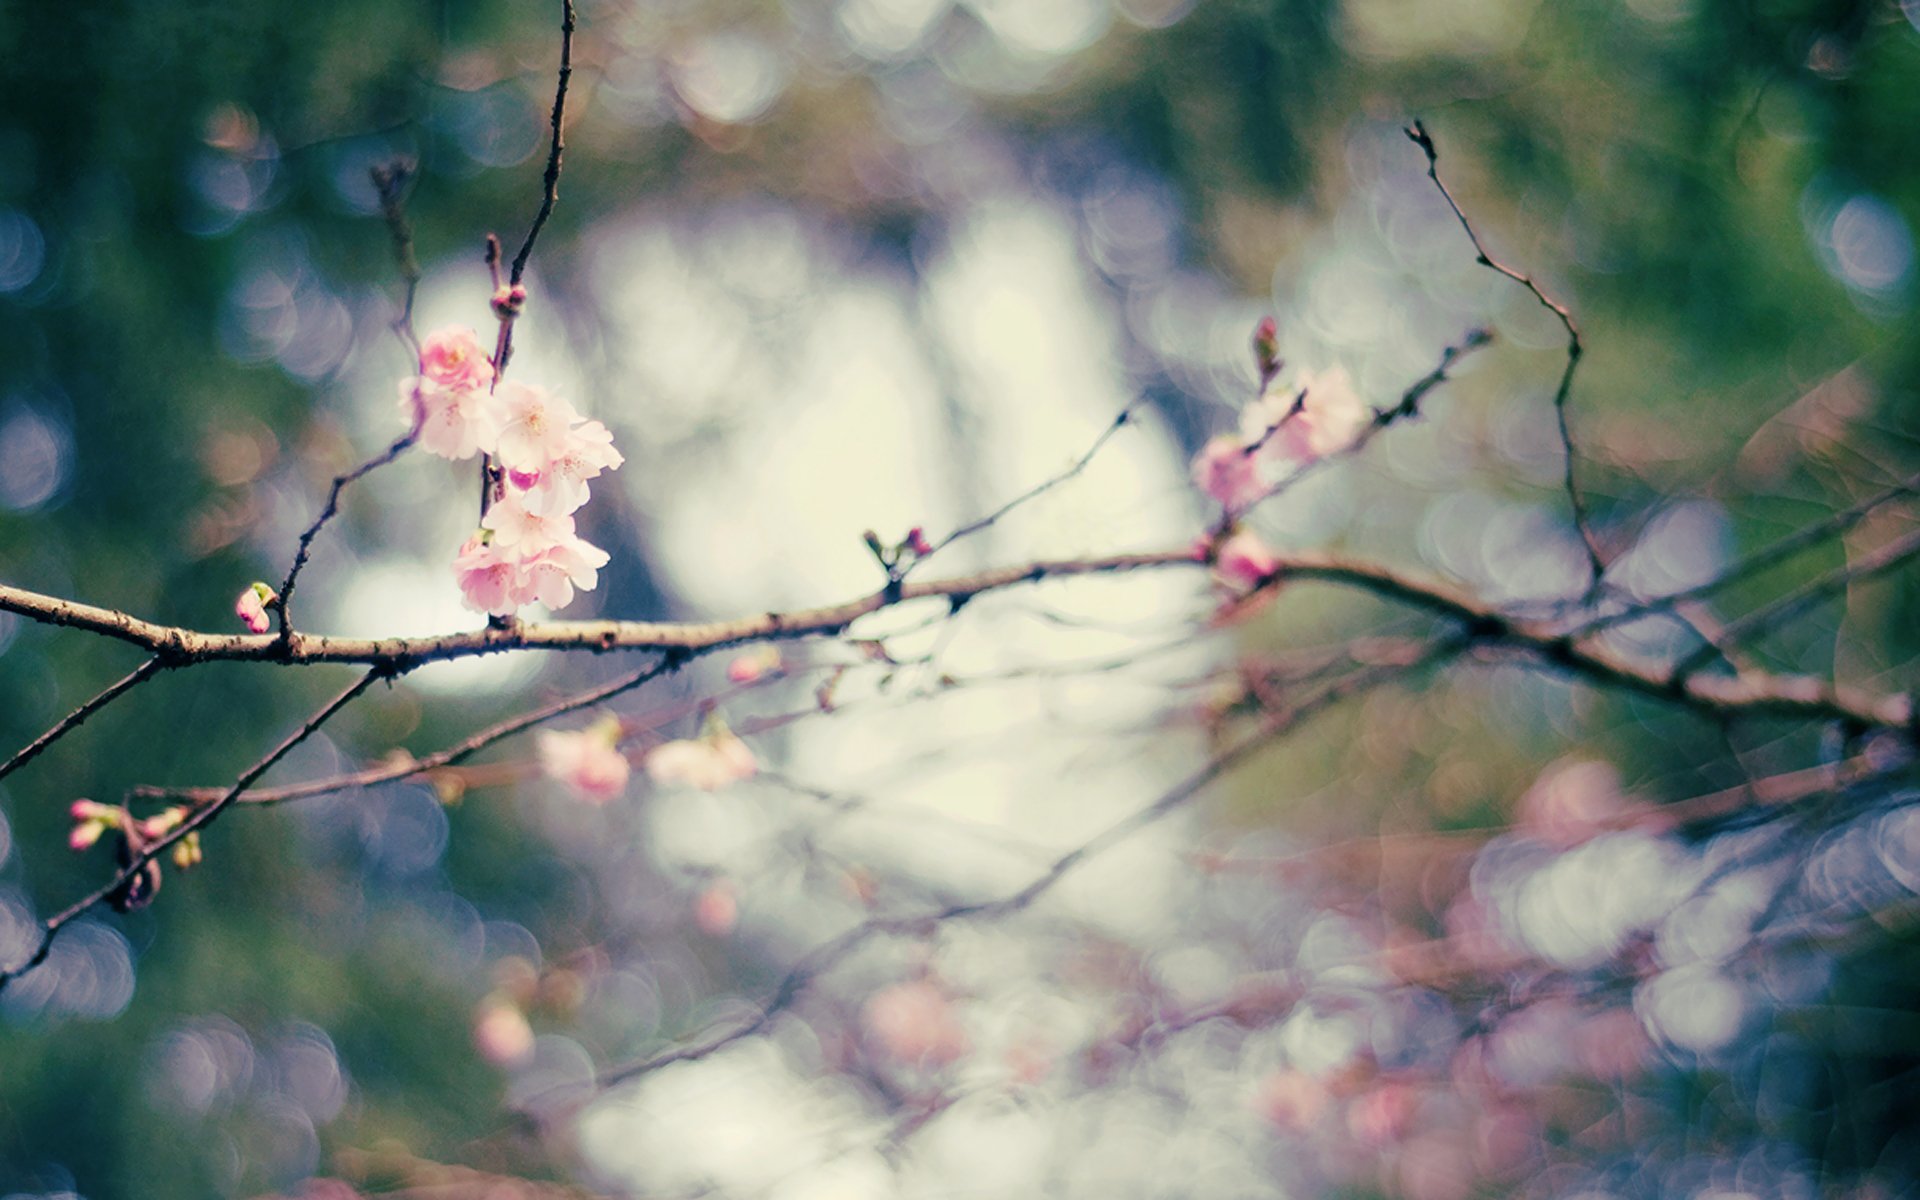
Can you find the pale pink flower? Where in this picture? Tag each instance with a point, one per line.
(1243, 561)
(251, 607)
(551, 575)
(1330, 417)
(716, 910)
(1227, 471)
(709, 762)
(587, 761)
(914, 1024)
(535, 425)
(453, 358)
(501, 1033)
(489, 580)
(559, 484)
(452, 423)
(513, 526)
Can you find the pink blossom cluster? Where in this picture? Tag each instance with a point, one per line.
(1287, 426)
(546, 453)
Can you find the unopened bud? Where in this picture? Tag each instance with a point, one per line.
(1266, 349)
(917, 542)
(508, 300)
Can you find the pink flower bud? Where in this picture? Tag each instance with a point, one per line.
(508, 300)
(917, 541)
(251, 607)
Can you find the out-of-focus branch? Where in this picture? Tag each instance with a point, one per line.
(1799, 600)
(1119, 422)
(78, 716)
(1596, 562)
(327, 512)
(195, 821)
(1406, 409)
(448, 756)
(825, 957)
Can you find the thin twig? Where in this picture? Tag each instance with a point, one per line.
(1119, 422)
(1761, 560)
(390, 184)
(1407, 408)
(284, 606)
(78, 716)
(194, 822)
(444, 757)
(1785, 608)
(1596, 561)
(551, 192)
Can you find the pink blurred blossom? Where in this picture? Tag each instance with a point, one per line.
(716, 910)
(754, 665)
(709, 762)
(1330, 416)
(1291, 1099)
(914, 1023)
(1227, 471)
(1243, 561)
(1381, 1114)
(587, 761)
(501, 1033)
(1572, 801)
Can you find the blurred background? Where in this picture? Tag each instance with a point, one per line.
(832, 265)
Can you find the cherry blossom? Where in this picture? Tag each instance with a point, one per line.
(1227, 470)
(453, 359)
(1318, 416)
(1243, 561)
(535, 425)
(489, 579)
(551, 576)
(452, 423)
(559, 484)
(914, 1024)
(709, 762)
(587, 761)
